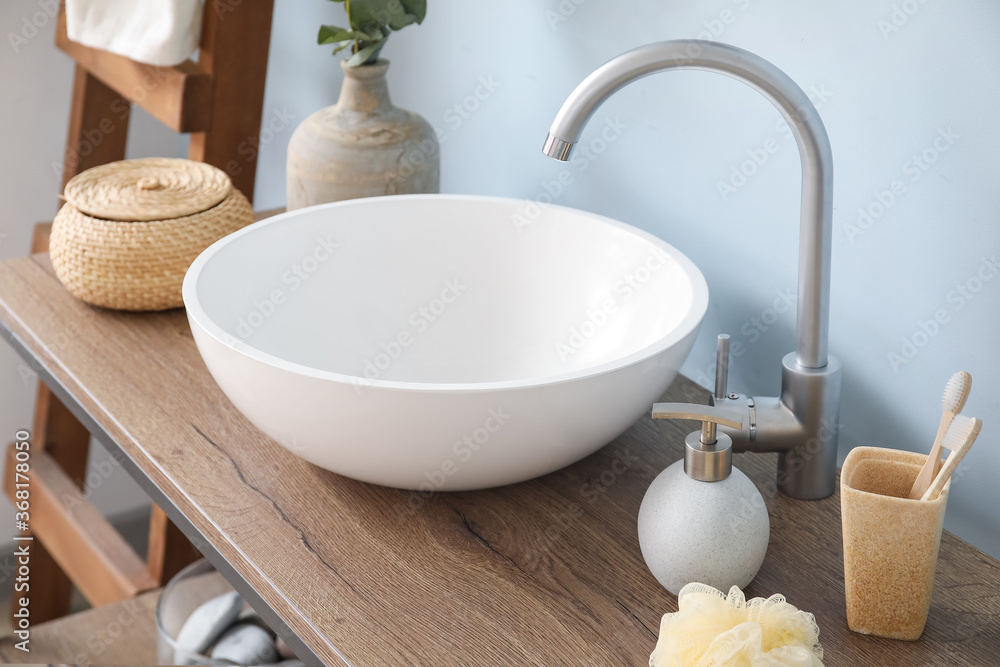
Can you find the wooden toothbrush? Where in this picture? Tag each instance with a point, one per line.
(959, 438)
(956, 392)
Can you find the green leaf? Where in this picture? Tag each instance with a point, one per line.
(362, 13)
(416, 7)
(399, 21)
(392, 13)
(371, 21)
(367, 54)
(329, 34)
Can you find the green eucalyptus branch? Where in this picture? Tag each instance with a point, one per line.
(370, 23)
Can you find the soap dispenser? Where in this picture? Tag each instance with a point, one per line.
(702, 520)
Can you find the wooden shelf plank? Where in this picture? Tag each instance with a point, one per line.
(180, 96)
(85, 546)
(541, 573)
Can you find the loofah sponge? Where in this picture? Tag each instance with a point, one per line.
(711, 629)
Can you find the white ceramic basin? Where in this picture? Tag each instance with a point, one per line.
(443, 342)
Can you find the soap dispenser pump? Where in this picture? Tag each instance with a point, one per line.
(702, 520)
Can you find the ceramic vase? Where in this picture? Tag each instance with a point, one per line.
(363, 146)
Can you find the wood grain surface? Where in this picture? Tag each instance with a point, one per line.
(547, 572)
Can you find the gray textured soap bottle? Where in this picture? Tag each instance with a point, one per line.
(702, 520)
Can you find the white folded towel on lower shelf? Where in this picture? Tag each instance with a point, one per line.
(156, 32)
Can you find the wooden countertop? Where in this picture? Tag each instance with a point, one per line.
(547, 572)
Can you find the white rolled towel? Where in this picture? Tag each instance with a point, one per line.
(156, 32)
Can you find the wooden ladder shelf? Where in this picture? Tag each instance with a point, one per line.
(218, 99)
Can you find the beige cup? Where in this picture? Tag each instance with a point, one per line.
(890, 542)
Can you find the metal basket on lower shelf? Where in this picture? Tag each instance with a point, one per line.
(129, 230)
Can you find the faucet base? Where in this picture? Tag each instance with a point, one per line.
(801, 425)
(807, 467)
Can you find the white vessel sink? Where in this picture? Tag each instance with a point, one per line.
(443, 342)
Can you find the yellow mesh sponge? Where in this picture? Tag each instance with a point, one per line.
(711, 629)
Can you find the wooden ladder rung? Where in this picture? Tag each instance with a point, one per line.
(83, 543)
(180, 96)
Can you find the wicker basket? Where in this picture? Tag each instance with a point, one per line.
(129, 230)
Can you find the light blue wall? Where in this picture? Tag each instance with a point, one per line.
(887, 82)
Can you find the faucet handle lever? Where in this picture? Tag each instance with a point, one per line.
(721, 366)
(701, 413)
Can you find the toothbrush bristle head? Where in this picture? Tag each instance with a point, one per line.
(962, 428)
(956, 392)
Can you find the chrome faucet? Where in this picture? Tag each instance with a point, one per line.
(800, 424)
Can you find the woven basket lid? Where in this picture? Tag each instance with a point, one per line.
(147, 189)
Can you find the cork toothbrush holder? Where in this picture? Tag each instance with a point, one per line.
(890, 542)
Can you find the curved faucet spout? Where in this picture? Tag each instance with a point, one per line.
(804, 121)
